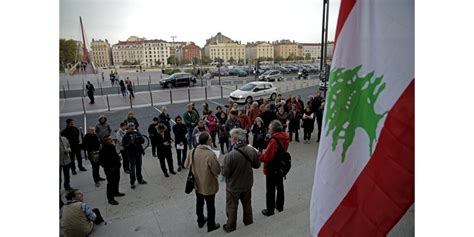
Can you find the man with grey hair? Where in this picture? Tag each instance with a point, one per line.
(237, 169)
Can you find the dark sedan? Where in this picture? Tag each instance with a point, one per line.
(177, 80)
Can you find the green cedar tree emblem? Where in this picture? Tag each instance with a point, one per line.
(350, 105)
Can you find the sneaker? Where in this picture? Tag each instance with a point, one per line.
(179, 168)
(119, 194)
(201, 224)
(216, 226)
(82, 169)
(142, 182)
(113, 202)
(265, 212)
(227, 228)
(132, 186)
(97, 184)
(167, 175)
(74, 172)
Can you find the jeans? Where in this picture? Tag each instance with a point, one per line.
(181, 154)
(135, 169)
(113, 179)
(211, 209)
(65, 170)
(272, 183)
(232, 204)
(126, 162)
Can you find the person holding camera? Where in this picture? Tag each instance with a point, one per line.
(132, 142)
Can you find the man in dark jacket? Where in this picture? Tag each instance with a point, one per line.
(276, 132)
(110, 161)
(180, 141)
(237, 169)
(132, 141)
(90, 92)
(72, 134)
(153, 134)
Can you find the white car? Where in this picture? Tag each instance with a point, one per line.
(254, 90)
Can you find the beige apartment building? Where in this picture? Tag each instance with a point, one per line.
(131, 51)
(285, 48)
(156, 52)
(101, 53)
(313, 49)
(223, 47)
(259, 50)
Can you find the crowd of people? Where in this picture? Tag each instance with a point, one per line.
(126, 87)
(246, 135)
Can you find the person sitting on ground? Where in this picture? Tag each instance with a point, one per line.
(78, 218)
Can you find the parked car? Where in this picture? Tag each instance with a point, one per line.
(293, 69)
(281, 69)
(271, 75)
(237, 72)
(253, 91)
(177, 80)
(303, 74)
(223, 72)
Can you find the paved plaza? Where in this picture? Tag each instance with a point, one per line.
(161, 208)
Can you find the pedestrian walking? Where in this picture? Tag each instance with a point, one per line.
(91, 144)
(90, 92)
(238, 173)
(164, 142)
(204, 166)
(72, 133)
(181, 143)
(110, 161)
(132, 141)
(123, 89)
(278, 139)
(130, 88)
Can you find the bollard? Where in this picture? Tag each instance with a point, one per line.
(131, 106)
(83, 89)
(205, 92)
(189, 95)
(151, 99)
(222, 93)
(101, 91)
(97, 81)
(171, 97)
(68, 89)
(236, 87)
(149, 86)
(83, 105)
(64, 92)
(108, 105)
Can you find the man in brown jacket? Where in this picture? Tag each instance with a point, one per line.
(206, 169)
(237, 169)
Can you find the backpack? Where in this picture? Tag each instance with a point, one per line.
(281, 165)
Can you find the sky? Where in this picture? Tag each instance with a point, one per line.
(188, 20)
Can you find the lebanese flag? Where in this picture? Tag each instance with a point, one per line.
(364, 178)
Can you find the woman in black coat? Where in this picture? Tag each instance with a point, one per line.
(164, 150)
(308, 124)
(259, 133)
(91, 144)
(181, 143)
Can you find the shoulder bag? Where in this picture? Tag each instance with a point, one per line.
(190, 181)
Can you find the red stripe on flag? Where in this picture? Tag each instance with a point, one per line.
(344, 11)
(385, 188)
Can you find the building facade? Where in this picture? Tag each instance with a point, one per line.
(260, 50)
(286, 48)
(312, 49)
(156, 52)
(186, 53)
(130, 51)
(224, 48)
(101, 53)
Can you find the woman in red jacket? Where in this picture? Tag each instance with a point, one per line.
(275, 129)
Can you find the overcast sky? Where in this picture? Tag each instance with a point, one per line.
(197, 20)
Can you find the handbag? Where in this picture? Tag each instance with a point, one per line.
(190, 181)
(94, 156)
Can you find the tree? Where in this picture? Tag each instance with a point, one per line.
(206, 60)
(307, 56)
(125, 62)
(157, 62)
(279, 59)
(231, 60)
(241, 61)
(171, 60)
(67, 51)
(291, 57)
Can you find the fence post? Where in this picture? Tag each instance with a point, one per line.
(130, 97)
(189, 95)
(101, 91)
(64, 92)
(205, 92)
(138, 81)
(97, 82)
(83, 105)
(133, 85)
(151, 98)
(108, 105)
(222, 93)
(171, 97)
(236, 87)
(68, 88)
(83, 89)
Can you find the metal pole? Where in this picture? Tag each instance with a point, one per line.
(108, 105)
(151, 98)
(189, 95)
(149, 79)
(64, 92)
(205, 92)
(101, 91)
(222, 93)
(68, 89)
(83, 105)
(322, 37)
(219, 71)
(138, 81)
(171, 97)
